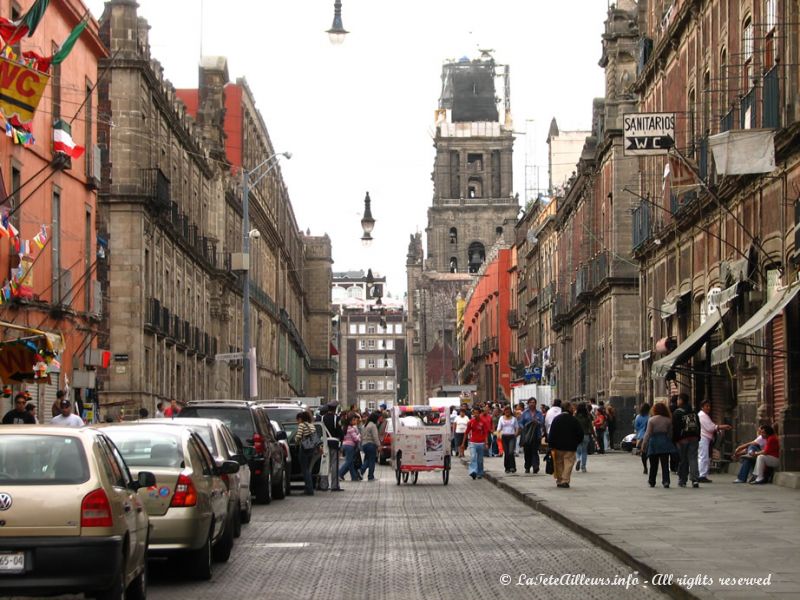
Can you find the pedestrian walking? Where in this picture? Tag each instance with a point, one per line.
(769, 456)
(477, 434)
(584, 418)
(18, 415)
(686, 432)
(551, 414)
(459, 429)
(600, 428)
(497, 440)
(66, 418)
(332, 423)
(352, 438)
(658, 444)
(565, 435)
(307, 451)
(640, 426)
(708, 431)
(508, 430)
(486, 415)
(531, 422)
(370, 441)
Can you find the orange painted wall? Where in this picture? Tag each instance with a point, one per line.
(486, 316)
(78, 72)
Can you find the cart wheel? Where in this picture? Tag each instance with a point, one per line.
(445, 476)
(405, 477)
(397, 468)
(415, 477)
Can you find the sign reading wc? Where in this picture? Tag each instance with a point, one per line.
(648, 133)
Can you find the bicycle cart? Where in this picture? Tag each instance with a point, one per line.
(420, 442)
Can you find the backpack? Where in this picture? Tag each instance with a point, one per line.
(689, 425)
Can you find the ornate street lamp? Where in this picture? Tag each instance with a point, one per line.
(337, 31)
(367, 222)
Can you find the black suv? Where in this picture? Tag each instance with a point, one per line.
(268, 473)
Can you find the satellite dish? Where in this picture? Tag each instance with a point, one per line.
(532, 239)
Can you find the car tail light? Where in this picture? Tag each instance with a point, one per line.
(185, 492)
(96, 510)
(258, 443)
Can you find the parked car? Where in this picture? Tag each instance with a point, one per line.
(319, 469)
(72, 520)
(264, 453)
(280, 434)
(222, 444)
(282, 412)
(188, 504)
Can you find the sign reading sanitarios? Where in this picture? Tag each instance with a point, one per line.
(648, 133)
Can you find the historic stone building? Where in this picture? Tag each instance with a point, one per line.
(716, 240)
(473, 206)
(171, 210)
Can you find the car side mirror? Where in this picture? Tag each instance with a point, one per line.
(144, 479)
(239, 458)
(228, 467)
(281, 435)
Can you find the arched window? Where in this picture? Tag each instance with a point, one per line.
(498, 231)
(453, 235)
(747, 52)
(475, 187)
(476, 255)
(453, 264)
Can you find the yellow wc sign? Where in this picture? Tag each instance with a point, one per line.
(21, 89)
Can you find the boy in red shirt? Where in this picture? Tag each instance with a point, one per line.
(478, 435)
(769, 456)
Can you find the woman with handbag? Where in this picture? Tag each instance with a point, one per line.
(657, 443)
(307, 445)
(352, 438)
(370, 441)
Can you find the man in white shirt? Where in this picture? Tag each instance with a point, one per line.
(708, 429)
(551, 414)
(66, 418)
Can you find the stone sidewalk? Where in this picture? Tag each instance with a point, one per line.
(721, 530)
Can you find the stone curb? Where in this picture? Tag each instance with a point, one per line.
(645, 570)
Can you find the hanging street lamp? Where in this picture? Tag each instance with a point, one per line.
(337, 31)
(367, 223)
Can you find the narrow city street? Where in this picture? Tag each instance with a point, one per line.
(378, 540)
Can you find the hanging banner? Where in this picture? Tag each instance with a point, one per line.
(21, 89)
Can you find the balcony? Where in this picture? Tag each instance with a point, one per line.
(771, 100)
(477, 353)
(324, 364)
(726, 122)
(583, 283)
(513, 319)
(599, 269)
(642, 224)
(152, 317)
(156, 189)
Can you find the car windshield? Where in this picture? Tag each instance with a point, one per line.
(142, 447)
(283, 414)
(238, 420)
(42, 460)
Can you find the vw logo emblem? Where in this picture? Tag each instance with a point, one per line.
(5, 501)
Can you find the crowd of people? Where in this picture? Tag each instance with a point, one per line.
(680, 441)
(570, 432)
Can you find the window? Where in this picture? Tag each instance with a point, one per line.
(353, 329)
(390, 385)
(453, 266)
(380, 385)
(362, 328)
(390, 344)
(371, 385)
(362, 385)
(371, 364)
(706, 125)
(475, 187)
(371, 344)
(690, 107)
(474, 162)
(388, 363)
(453, 235)
(398, 328)
(362, 344)
(747, 53)
(371, 329)
(770, 13)
(362, 363)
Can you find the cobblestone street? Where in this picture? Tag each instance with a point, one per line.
(378, 540)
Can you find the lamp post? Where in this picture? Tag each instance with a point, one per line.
(367, 222)
(247, 235)
(337, 31)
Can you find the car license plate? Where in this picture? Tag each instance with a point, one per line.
(12, 562)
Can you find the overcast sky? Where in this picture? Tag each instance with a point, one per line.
(359, 116)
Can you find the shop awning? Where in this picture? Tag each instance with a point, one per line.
(761, 317)
(688, 347)
(19, 355)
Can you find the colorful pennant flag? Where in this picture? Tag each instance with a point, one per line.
(63, 142)
(13, 31)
